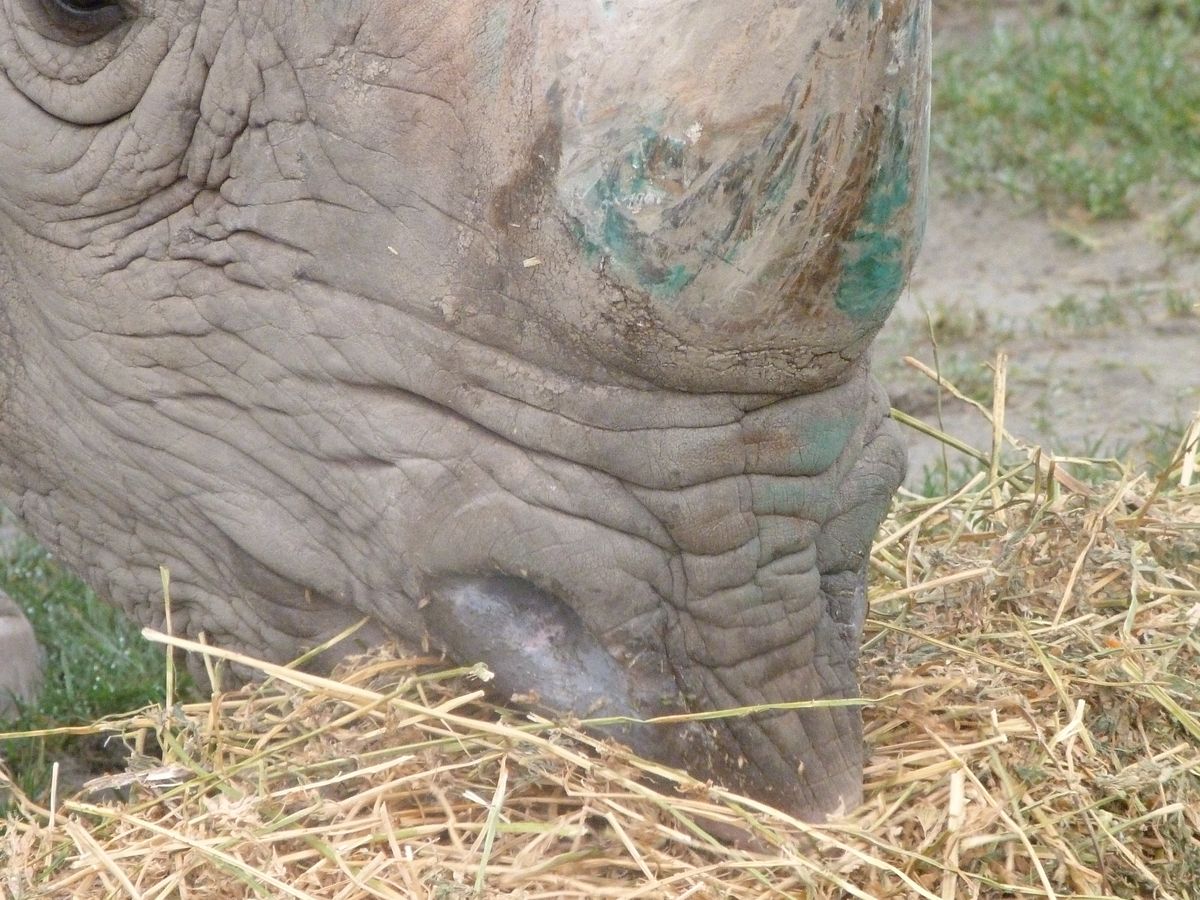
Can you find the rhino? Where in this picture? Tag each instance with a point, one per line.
(535, 332)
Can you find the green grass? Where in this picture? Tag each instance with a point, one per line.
(944, 477)
(1077, 105)
(1091, 316)
(97, 664)
(1182, 304)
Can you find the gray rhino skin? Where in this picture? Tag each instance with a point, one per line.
(535, 331)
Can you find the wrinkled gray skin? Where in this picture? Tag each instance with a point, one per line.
(535, 331)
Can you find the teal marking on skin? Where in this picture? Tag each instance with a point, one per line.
(821, 442)
(674, 281)
(916, 30)
(872, 282)
(621, 239)
(875, 7)
(779, 185)
(873, 259)
(590, 249)
(628, 186)
(788, 496)
(889, 191)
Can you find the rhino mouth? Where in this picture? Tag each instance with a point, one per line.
(544, 657)
(737, 591)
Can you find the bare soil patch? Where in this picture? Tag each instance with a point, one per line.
(1100, 323)
(1100, 319)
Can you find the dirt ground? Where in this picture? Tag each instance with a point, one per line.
(1101, 327)
(1101, 323)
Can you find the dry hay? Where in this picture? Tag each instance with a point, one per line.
(1033, 659)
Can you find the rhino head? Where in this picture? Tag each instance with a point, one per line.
(533, 331)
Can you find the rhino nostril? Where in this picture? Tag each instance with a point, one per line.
(538, 647)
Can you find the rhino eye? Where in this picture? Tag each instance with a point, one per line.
(82, 21)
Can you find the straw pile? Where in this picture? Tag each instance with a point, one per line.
(1032, 669)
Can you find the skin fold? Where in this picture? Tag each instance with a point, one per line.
(533, 331)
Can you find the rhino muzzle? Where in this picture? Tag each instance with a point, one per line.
(538, 331)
